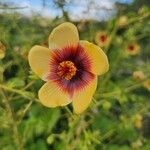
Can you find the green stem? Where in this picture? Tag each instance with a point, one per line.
(126, 90)
(139, 18)
(20, 92)
(25, 110)
(108, 134)
(69, 111)
(141, 36)
(112, 35)
(29, 85)
(16, 135)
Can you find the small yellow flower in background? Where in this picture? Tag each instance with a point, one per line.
(122, 21)
(136, 145)
(147, 84)
(69, 67)
(138, 75)
(133, 49)
(138, 121)
(2, 50)
(102, 39)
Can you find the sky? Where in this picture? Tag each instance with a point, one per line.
(78, 9)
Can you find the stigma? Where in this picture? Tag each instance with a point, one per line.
(67, 70)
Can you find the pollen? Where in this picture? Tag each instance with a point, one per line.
(67, 70)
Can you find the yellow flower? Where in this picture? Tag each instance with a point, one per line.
(138, 121)
(123, 20)
(147, 84)
(102, 39)
(69, 67)
(2, 50)
(138, 75)
(133, 49)
(136, 145)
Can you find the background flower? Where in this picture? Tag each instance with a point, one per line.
(102, 38)
(138, 75)
(122, 21)
(2, 50)
(133, 49)
(147, 84)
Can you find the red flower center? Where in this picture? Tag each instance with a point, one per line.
(131, 47)
(66, 70)
(71, 69)
(103, 38)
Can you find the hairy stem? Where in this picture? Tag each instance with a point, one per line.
(16, 135)
(20, 92)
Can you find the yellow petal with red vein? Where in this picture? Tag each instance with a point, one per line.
(63, 35)
(52, 96)
(39, 59)
(82, 99)
(99, 59)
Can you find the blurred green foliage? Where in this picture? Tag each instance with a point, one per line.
(118, 118)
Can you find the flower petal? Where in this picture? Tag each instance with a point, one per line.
(2, 54)
(82, 99)
(63, 35)
(39, 58)
(99, 59)
(52, 96)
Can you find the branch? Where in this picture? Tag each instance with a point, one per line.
(16, 135)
